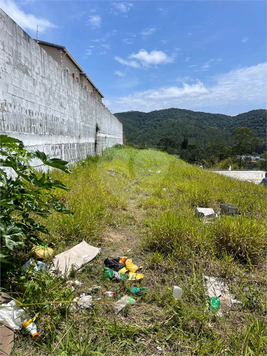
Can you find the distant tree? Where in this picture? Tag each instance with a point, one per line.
(218, 148)
(184, 143)
(244, 142)
(167, 144)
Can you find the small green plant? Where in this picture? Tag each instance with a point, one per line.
(25, 194)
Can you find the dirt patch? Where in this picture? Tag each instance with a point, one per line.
(113, 236)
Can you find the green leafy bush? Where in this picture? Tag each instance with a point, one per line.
(25, 194)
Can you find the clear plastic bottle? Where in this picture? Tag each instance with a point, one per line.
(177, 292)
(31, 327)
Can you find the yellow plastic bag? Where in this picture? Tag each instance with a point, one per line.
(130, 266)
(123, 270)
(42, 252)
(135, 276)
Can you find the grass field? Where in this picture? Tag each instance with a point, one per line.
(141, 203)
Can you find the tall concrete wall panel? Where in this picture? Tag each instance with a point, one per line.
(41, 104)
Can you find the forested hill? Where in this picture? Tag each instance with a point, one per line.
(199, 127)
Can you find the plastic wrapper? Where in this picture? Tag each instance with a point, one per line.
(122, 303)
(134, 276)
(42, 252)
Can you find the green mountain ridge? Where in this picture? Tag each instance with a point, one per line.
(199, 127)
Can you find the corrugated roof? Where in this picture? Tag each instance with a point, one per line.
(72, 59)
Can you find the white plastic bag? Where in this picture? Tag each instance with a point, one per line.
(11, 315)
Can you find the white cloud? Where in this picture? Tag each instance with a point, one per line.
(152, 58)
(121, 7)
(183, 79)
(128, 41)
(206, 65)
(94, 21)
(148, 31)
(164, 41)
(103, 52)
(120, 74)
(245, 39)
(105, 37)
(107, 46)
(132, 64)
(26, 21)
(88, 52)
(238, 87)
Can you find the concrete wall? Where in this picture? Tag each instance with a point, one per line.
(41, 104)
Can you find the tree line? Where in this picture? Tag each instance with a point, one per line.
(217, 153)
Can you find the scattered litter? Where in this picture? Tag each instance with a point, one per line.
(235, 301)
(120, 304)
(108, 273)
(139, 291)
(214, 305)
(42, 252)
(108, 293)
(77, 283)
(94, 289)
(229, 209)
(112, 270)
(74, 258)
(207, 213)
(85, 301)
(30, 327)
(130, 266)
(37, 265)
(114, 263)
(217, 287)
(177, 292)
(159, 348)
(12, 315)
(134, 276)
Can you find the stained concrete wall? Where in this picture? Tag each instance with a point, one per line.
(41, 104)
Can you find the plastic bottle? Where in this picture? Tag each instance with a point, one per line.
(30, 326)
(120, 276)
(109, 273)
(214, 304)
(177, 292)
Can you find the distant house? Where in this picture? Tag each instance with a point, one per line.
(63, 57)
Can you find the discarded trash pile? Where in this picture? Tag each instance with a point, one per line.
(121, 268)
(13, 316)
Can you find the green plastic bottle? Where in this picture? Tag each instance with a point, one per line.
(214, 304)
(108, 273)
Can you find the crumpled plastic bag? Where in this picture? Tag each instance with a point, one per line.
(114, 264)
(135, 276)
(130, 266)
(42, 252)
(11, 315)
(37, 265)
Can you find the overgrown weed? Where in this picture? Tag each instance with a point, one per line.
(153, 196)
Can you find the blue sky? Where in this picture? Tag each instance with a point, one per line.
(150, 55)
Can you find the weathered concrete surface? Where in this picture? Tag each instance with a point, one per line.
(250, 176)
(41, 104)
